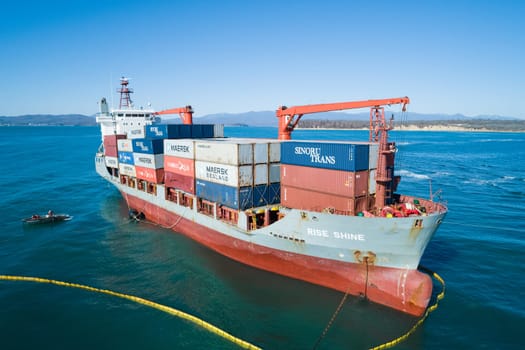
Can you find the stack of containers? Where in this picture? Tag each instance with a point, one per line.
(148, 158)
(260, 172)
(224, 172)
(111, 149)
(126, 165)
(160, 153)
(274, 172)
(325, 176)
(179, 164)
(236, 173)
(141, 154)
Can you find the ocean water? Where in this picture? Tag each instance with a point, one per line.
(478, 251)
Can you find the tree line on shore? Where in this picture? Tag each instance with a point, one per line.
(471, 124)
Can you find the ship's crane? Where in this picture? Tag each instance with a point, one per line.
(289, 118)
(185, 113)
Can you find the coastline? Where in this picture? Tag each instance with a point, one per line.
(448, 128)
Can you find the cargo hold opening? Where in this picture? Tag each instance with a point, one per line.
(263, 217)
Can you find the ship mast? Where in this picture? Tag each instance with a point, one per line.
(125, 99)
(379, 129)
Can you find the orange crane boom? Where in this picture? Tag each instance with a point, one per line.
(289, 116)
(185, 113)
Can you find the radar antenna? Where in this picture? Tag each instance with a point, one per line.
(125, 99)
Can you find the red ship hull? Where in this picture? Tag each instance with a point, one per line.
(405, 290)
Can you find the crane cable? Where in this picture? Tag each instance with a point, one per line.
(169, 310)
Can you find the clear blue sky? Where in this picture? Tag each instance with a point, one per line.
(61, 57)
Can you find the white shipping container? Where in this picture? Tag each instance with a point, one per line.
(373, 155)
(182, 148)
(107, 130)
(260, 152)
(372, 182)
(224, 151)
(224, 174)
(218, 130)
(152, 161)
(274, 172)
(111, 162)
(126, 169)
(125, 145)
(274, 151)
(136, 133)
(260, 148)
(260, 174)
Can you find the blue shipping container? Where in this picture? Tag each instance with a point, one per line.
(326, 155)
(260, 195)
(233, 197)
(149, 146)
(201, 131)
(168, 131)
(274, 193)
(126, 157)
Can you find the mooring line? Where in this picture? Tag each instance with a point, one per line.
(199, 322)
(340, 306)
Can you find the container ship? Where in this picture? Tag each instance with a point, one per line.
(324, 212)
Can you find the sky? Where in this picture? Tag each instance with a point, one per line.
(229, 56)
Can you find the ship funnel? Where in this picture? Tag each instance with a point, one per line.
(104, 106)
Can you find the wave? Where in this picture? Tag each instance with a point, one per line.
(493, 182)
(498, 140)
(410, 174)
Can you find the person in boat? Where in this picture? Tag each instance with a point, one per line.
(50, 213)
(35, 216)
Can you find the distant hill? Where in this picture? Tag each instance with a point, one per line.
(268, 118)
(318, 120)
(49, 119)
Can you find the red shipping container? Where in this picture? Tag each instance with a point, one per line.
(338, 182)
(181, 182)
(110, 144)
(111, 140)
(110, 151)
(181, 166)
(298, 198)
(151, 175)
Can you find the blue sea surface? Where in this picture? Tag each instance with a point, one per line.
(478, 251)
